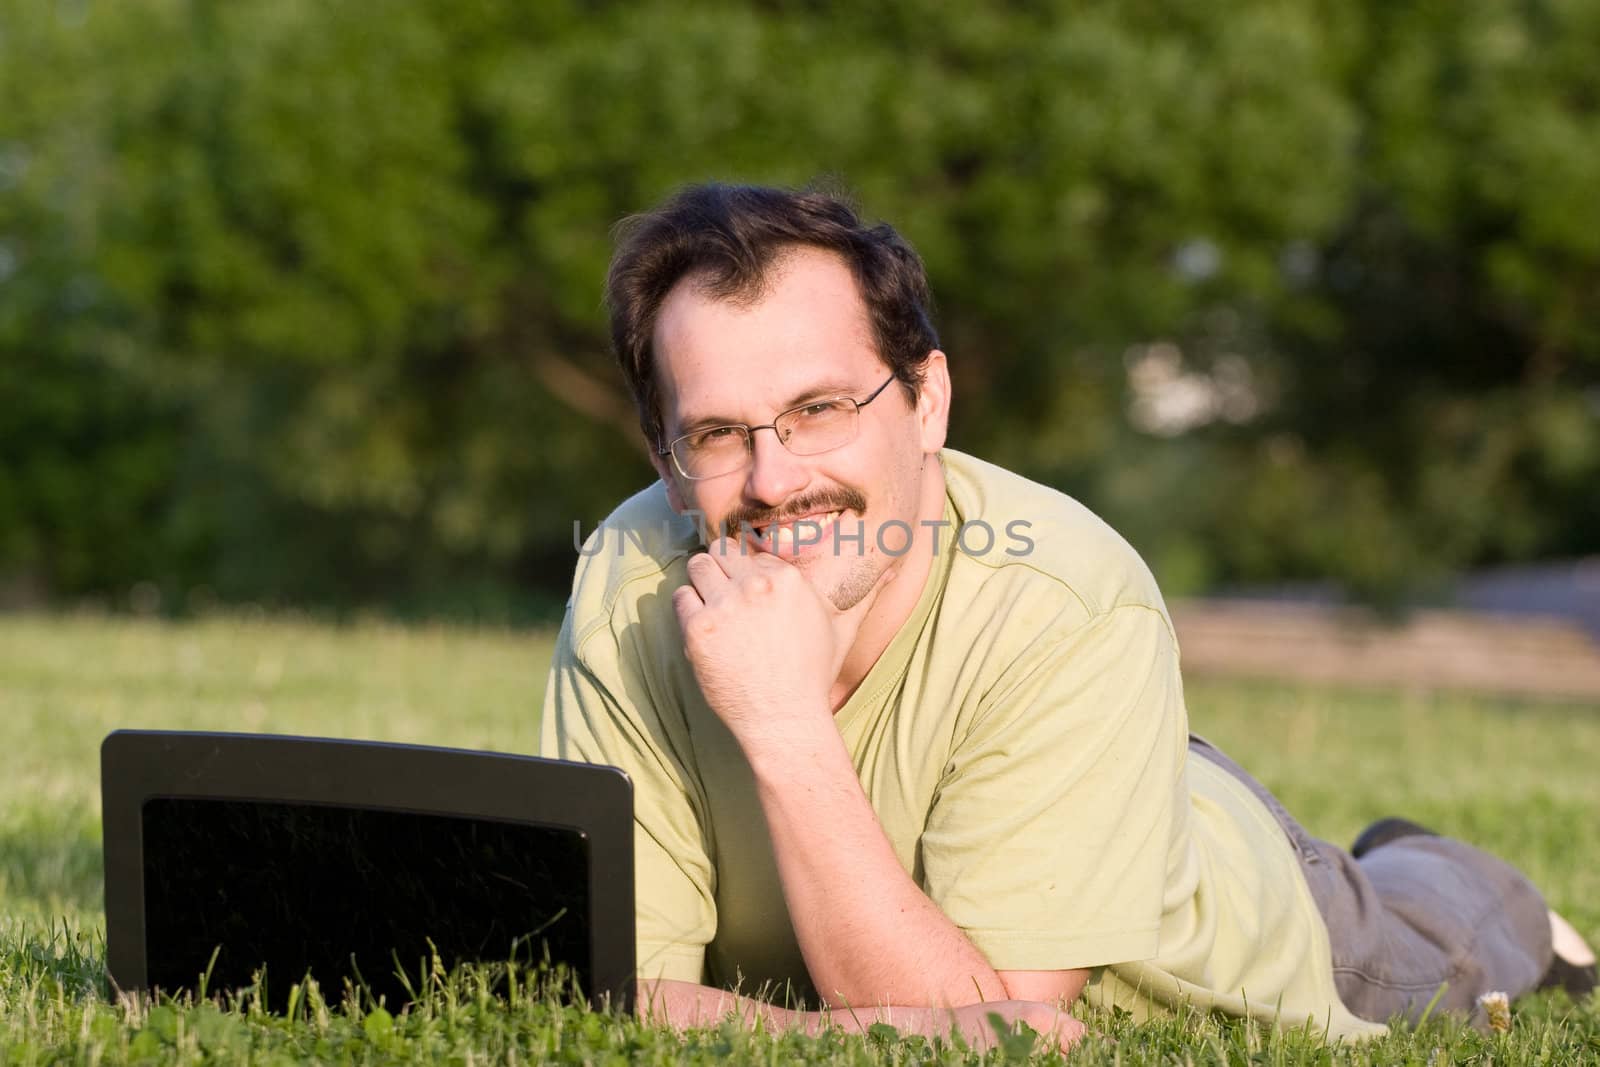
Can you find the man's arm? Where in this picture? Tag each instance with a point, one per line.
(685, 1005)
(868, 934)
(1051, 987)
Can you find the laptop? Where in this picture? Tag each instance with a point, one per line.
(236, 857)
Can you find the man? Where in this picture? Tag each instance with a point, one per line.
(906, 730)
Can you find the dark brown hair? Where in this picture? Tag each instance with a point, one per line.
(729, 237)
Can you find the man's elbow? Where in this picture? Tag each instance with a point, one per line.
(1050, 987)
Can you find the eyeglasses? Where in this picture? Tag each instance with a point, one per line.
(808, 430)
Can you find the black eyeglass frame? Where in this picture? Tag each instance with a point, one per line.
(749, 432)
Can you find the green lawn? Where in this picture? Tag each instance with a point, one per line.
(1518, 778)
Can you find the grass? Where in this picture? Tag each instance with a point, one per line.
(1518, 778)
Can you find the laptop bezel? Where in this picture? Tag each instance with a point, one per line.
(139, 765)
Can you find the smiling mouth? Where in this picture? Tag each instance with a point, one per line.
(784, 537)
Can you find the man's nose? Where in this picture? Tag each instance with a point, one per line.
(775, 474)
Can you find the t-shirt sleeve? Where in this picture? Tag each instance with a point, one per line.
(598, 709)
(1048, 838)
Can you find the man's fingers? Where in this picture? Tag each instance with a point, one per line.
(1047, 1020)
(735, 556)
(686, 602)
(1056, 1026)
(732, 557)
(739, 563)
(1068, 1032)
(707, 574)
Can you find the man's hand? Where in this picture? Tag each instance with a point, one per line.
(761, 642)
(1058, 1029)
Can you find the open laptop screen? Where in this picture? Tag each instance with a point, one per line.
(353, 892)
(357, 860)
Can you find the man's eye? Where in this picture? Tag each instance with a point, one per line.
(818, 410)
(715, 436)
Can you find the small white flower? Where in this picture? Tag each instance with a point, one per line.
(1497, 1008)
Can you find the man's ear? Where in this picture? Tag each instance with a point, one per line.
(933, 402)
(669, 478)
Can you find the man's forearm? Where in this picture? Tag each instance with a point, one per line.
(869, 935)
(685, 1005)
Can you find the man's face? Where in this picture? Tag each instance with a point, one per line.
(807, 337)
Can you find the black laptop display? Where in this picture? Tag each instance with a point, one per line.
(346, 859)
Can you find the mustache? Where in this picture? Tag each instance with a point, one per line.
(841, 499)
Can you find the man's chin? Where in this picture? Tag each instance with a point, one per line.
(845, 591)
(842, 581)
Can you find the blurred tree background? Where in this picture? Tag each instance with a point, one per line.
(300, 301)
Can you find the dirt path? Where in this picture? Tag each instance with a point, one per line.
(1515, 655)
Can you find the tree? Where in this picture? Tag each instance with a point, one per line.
(300, 303)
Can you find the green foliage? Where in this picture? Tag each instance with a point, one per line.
(1015, 1043)
(299, 303)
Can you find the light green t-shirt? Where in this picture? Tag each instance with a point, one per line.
(1023, 741)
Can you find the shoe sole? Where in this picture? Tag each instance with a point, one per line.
(1569, 944)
